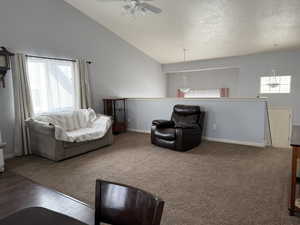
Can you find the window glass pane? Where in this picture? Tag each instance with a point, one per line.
(264, 80)
(285, 89)
(275, 89)
(264, 89)
(210, 93)
(285, 79)
(52, 85)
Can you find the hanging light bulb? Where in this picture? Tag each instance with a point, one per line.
(274, 82)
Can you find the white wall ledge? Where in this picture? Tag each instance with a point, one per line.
(206, 99)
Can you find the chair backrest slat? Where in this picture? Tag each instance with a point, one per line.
(119, 204)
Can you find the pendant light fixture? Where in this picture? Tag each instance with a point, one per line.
(274, 81)
(185, 89)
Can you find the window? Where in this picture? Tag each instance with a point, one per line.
(52, 85)
(203, 93)
(275, 84)
(210, 93)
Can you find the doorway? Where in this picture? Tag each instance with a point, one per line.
(280, 125)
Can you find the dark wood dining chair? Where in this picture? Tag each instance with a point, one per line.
(119, 204)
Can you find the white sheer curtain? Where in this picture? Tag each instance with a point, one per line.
(52, 85)
(23, 104)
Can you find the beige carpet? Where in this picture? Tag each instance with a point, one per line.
(216, 183)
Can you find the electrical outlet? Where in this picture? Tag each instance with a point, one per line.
(214, 126)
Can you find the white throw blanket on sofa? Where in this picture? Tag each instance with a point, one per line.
(78, 125)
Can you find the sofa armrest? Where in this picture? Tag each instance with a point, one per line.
(40, 127)
(163, 123)
(100, 117)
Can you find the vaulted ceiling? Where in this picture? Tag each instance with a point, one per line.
(207, 28)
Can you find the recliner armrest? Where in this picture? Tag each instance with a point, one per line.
(186, 126)
(163, 123)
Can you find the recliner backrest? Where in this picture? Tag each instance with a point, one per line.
(189, 114)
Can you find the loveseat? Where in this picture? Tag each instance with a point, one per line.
(58, 136)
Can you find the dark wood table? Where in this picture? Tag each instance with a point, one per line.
(39, 216)
(18, 192)
(295, 143)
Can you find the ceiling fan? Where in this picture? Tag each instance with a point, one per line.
(137, 7)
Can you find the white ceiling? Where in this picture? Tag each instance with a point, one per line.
(207, 28)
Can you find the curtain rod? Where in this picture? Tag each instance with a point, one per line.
(61, 59)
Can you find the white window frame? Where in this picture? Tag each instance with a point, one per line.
(283, 80)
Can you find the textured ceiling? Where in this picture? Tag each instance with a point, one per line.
(207, 28)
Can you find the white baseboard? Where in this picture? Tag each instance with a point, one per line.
(139, 131)
(223, 140)
(229, 141)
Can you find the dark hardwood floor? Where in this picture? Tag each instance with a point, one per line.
(17, 192)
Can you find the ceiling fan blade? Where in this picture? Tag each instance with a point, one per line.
(110, 0)
(151, 8)
(120, 0)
